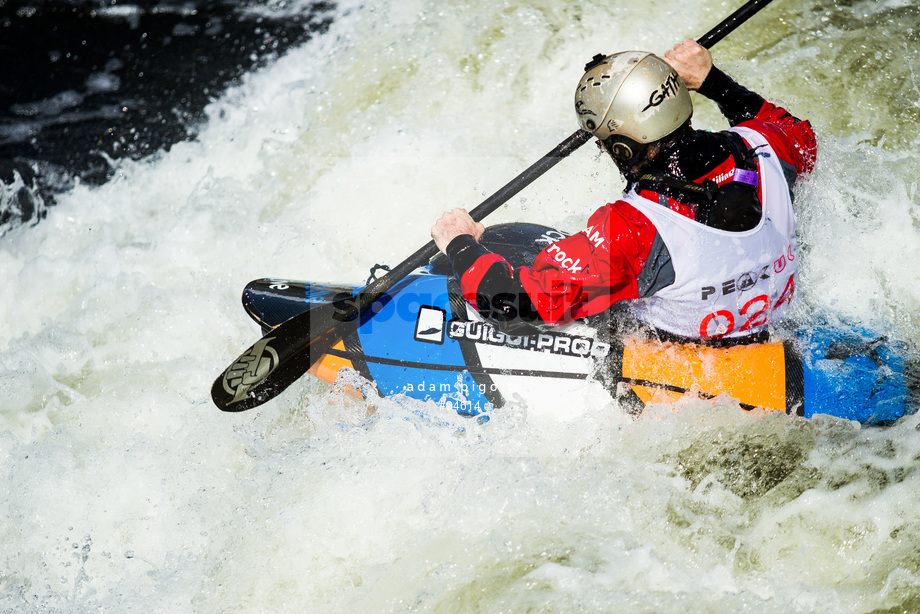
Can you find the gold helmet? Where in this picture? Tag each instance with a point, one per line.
(631, 94)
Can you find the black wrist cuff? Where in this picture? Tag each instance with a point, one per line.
(463, 252)
(716, 85)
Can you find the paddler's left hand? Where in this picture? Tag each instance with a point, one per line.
(453, 224)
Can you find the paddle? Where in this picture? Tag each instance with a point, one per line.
(284, 354)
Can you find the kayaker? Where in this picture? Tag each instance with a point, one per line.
(702, 243)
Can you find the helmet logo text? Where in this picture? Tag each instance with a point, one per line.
(667, 89)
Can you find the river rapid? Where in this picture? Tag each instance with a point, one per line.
(124, 489)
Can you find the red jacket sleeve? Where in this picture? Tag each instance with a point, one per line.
(792, 139)
(588, 272)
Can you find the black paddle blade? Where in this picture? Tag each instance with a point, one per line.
(276, 360)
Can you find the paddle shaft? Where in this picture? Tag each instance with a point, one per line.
(730, 23)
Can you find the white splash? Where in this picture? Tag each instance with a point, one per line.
(124, 488)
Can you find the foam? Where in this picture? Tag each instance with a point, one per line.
(125, 488)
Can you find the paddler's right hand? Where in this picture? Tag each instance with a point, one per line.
(453, 224)
(691, 61)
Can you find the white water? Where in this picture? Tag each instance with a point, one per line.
(124, 489)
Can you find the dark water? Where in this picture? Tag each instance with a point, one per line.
(83, 82)
(122, 489)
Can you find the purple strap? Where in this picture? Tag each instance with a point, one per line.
(748, 177)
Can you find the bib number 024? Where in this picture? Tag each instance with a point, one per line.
(756, 313)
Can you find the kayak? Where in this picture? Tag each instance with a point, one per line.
(422, 340)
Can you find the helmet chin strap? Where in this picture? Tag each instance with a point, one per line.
(628, 155)
(631, 168)
(632, 157)
(622, 148)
